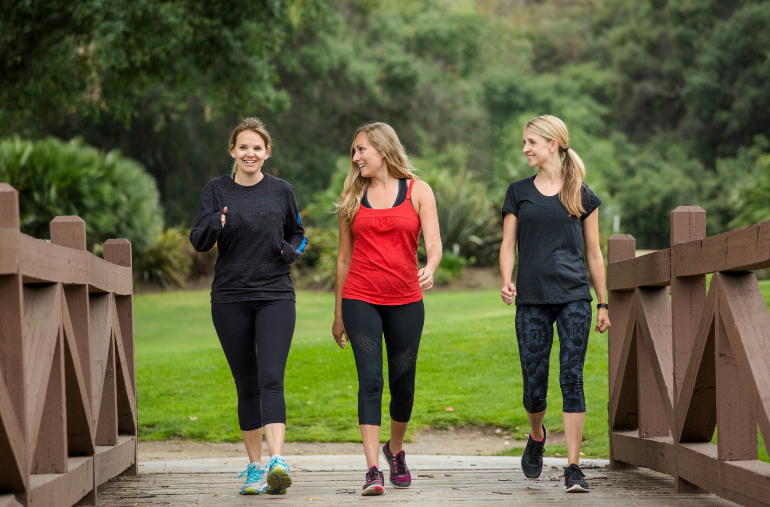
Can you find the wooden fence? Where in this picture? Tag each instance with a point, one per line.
(691, 360)
(67, 376)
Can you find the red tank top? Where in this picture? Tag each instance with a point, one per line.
(383, 270)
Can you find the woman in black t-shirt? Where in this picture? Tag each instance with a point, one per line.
(550, 216)
(253, 219)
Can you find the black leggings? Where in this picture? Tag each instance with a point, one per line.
(534, 332)
(365, 325)
(256, 336)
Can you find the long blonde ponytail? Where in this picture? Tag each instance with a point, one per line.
(572, 167)
(385, 140)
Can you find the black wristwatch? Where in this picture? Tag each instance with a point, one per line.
(603, 305)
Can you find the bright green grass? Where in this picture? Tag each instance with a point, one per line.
(468, 360)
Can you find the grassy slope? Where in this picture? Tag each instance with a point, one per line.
(468, 360)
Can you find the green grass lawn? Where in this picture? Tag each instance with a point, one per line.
(468, 360)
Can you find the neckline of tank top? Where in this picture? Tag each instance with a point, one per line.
(403, 189)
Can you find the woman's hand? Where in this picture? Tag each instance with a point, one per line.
(223, 217)
(508, 292)
(603, 320)
(338, 330)
(425, 277)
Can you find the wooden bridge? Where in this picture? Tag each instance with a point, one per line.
(685, 359)
(67, 378)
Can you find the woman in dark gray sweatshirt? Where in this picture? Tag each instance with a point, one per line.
(253, 219)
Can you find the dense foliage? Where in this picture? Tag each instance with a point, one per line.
(665, 99)
(114, 195)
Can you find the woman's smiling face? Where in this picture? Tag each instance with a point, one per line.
(365, 157)
(250, 152)
(537, 148)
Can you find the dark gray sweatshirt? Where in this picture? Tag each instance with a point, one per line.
(261, 220)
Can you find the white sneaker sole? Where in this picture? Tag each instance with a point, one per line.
(576, 488)
(374, 489)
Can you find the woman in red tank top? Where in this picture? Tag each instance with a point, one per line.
(381, 212)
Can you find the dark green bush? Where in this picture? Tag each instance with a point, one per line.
(113, 194)
(168, 260)
(450, 268)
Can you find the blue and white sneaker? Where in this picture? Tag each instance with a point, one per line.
(278, 476)
(256, 483)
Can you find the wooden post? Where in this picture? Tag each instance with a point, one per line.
(688, 297)
(620, 247)
(51, 448)
(13, 418)
(736, 422)
(688, 294)
(70, 232)
(119, 251)
(652, 416)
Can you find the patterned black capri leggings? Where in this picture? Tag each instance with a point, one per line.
(534, 333)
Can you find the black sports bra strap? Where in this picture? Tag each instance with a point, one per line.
(403, 188)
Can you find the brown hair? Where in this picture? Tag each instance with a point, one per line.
(385, 140)
(255, 125)
(572, 166)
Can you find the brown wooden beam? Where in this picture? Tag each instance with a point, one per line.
(741, 250)
(747, 324)
(655, 363)
(62, 490)
(696, 407)
(651, 270)
(80, 427)
(625, 392)
(110, 461)
(50, 455)
(45, 262)
(654, 453)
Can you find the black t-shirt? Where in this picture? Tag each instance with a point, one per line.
(250, 265)
(550, 242)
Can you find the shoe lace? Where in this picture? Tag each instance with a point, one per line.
(372, 474)
(535, 452)
(252, 474)
(573, 471)
(399, 463)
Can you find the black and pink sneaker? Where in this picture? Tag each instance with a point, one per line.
(399, 472)
(375, 482)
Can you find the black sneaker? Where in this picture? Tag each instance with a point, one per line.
(532, 459)
(574, 480)
(375, 482)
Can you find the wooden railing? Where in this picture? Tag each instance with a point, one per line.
(688, 361)
(67, 377)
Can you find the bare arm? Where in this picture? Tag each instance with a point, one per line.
(508, 257)
(344, 256)
(595, 262)
(424, 203)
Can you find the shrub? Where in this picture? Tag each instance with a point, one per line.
(469, 221)
(113, 194)
(167, 261)
(450, 268)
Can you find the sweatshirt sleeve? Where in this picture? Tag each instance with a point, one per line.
(208, 222)
(293, 232)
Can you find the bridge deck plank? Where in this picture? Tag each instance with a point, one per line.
(433, 488)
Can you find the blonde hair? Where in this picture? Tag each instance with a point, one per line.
(255, 125)
(572, 166)
(385, 140)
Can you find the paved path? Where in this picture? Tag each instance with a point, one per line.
(437, 481)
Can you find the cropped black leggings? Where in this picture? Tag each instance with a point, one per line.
(534, 333)
(256, 336)
(365, 325)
